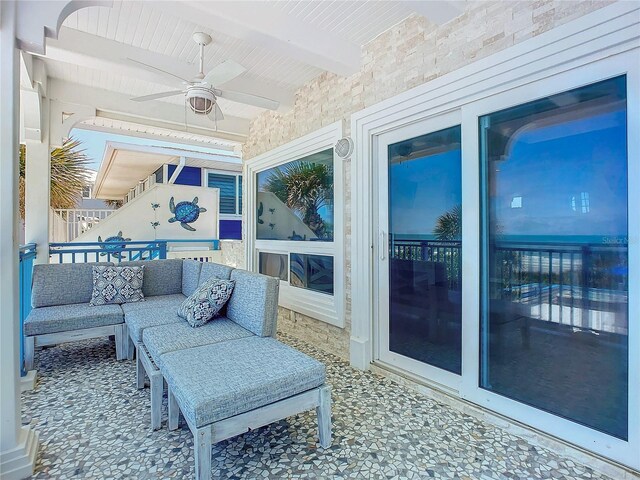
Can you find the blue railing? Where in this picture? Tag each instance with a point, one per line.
(25, 270)
(84, 252)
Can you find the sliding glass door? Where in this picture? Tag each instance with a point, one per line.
(555, 276)
(421, 250)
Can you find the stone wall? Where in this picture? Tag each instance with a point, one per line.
(409, 54)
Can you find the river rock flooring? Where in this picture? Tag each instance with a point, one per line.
(94, 423)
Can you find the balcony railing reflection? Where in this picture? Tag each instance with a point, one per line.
(583, 285)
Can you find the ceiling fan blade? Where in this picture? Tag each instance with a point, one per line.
(248, 99)
(157, 95)
(157, 70)
(216, 114)
(223, 72)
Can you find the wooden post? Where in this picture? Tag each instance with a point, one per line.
(174, 411)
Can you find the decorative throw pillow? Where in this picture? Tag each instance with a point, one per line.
(117, 285)
(203, 304)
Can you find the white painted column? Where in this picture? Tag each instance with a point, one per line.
(18, 445)
(37, 189)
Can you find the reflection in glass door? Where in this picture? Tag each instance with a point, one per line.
(424, 249)
(555, 273)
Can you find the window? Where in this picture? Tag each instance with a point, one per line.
(274, 265)
(555, 325)
(86, 192)
(295, 200)
(230, 186)
(294, 223)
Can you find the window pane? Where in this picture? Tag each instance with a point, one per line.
(227, 186)
(425, 219)
(314, 272)
(555, 272)
(274, 265)
(295, 200)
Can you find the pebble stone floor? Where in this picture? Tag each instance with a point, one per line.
(94, 423)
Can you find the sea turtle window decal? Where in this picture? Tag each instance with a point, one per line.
(185, 213)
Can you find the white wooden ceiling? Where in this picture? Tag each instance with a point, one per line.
(282, 44)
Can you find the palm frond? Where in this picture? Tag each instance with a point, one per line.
(449, 224)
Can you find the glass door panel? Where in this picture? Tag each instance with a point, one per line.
(424, 249)
(554, 327)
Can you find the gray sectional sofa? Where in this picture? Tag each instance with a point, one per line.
(226, 377)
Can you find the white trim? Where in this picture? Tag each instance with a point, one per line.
(317, 305)
(596, 46)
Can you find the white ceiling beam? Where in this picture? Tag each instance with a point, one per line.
(153, 113)
(263, 26)
(98, 53)
(437, 11)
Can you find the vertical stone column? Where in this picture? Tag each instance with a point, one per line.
(18, 445)
(37, 191)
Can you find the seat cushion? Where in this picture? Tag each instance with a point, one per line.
(254, 302)
(180, 336)
(62, 283)
(218, 381)
(139, 320)
(161, 277)
(170, 302)
(211, 269)
(66, 318)
(190, 276)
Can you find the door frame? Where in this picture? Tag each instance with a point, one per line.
(445, 379)
(594, 47)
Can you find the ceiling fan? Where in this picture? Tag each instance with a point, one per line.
(200, 92)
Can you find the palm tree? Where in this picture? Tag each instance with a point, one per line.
(449, 224)
(69, 174)
(304, 187)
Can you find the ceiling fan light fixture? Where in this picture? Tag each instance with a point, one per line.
(201, 100)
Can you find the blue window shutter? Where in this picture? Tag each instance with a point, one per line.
(227, 186)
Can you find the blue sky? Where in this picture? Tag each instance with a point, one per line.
(94, 143)
(553, 169)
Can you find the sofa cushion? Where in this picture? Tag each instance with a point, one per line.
(254, 303)
(138, 320)
(65, 318)
(179, 336)
(62, 283)
(206, 301)
(218, 381)
(210, 269)
(190, 276)
(116, 285)
(170, 302)
(161, 277)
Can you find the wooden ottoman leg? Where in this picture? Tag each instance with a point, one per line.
(202, 447)
(323, 410)
(121, 338)
(140, 373)
(174, 411)
(29, 352)
(157, 383)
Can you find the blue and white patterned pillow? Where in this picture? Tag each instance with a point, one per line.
(203, 304)
(117, 285)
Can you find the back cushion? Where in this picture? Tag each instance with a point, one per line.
(254, 302)
(210, 269)
(161, 277)
(190, 276)
(62, 283)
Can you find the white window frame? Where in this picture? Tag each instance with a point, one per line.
(321, 306)
(597, 46)
(205, 183)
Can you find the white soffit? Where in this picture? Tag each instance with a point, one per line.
(124, 165)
